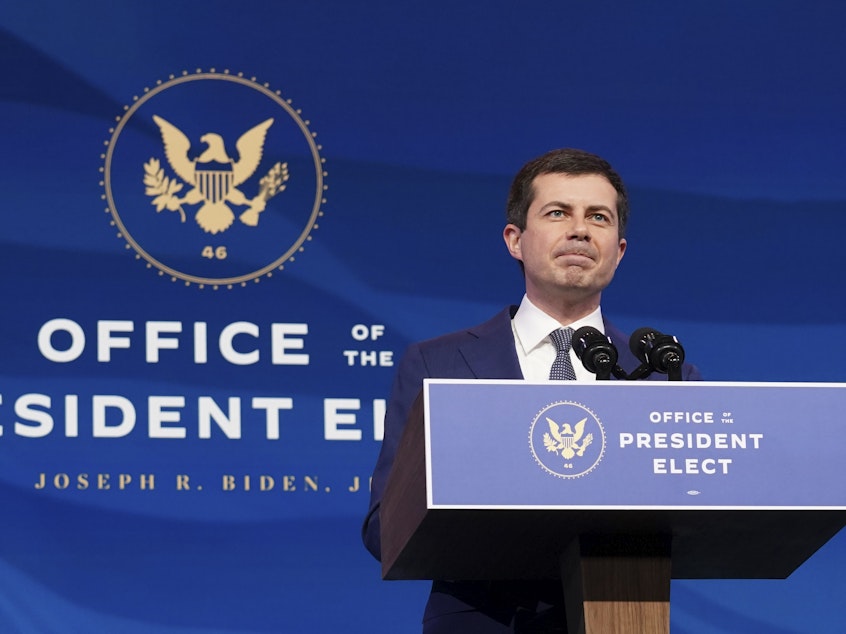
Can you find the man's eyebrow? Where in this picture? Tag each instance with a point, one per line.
(557, 203)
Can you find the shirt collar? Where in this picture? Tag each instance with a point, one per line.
(532, 326)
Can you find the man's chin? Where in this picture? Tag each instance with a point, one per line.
(582, 283)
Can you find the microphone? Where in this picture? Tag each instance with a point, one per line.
(595, 351)
(659, 352)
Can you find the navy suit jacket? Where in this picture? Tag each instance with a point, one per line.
(486, 351)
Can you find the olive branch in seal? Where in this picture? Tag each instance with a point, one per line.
(274, 181)
(270, 184)
(162, 188)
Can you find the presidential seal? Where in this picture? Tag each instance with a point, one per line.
(213, 179)
(567, 439)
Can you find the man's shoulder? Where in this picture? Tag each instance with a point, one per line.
(485, 351)
(498, 325)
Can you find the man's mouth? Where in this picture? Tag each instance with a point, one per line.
(575, 255)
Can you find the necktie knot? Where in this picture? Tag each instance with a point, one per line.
(562, 367)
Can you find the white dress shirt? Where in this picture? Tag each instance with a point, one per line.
(535, 350)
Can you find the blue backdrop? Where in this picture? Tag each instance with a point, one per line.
(144, 487)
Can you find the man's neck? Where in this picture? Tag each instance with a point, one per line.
(566, 310)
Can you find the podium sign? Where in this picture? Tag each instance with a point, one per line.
(635, 445)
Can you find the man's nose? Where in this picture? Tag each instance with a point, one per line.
(578, 227)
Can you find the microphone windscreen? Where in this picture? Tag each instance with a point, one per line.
(638, 342)
(582, 337)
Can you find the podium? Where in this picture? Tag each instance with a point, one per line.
(615, 488)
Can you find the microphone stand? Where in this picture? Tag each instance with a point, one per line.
(674, 367)
(619, 373)
(604, 367)
(640, 372)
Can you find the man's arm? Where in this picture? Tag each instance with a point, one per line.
(407, 385)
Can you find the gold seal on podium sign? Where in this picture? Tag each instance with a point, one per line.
(567, 439)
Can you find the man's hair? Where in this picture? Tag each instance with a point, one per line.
(563, 161)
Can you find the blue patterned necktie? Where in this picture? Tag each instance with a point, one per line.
(562, 368)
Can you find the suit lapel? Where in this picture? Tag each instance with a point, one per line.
(490, 354)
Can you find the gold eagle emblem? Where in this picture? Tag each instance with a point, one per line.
(213, 176)
(565, 440)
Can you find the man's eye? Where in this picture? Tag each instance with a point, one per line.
(601, 217)
(556, 213)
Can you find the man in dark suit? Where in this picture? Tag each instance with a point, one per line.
(566, 218)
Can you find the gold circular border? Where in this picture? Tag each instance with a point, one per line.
(541, 463)
(215, 283)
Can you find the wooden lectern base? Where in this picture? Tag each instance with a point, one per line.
(606, 592)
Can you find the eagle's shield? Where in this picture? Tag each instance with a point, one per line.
(214, 180)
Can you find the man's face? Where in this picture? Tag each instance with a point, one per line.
(570, 247)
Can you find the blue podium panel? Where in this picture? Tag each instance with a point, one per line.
(634, 445)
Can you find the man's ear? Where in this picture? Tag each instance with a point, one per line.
(512, 234)
(622, 250)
